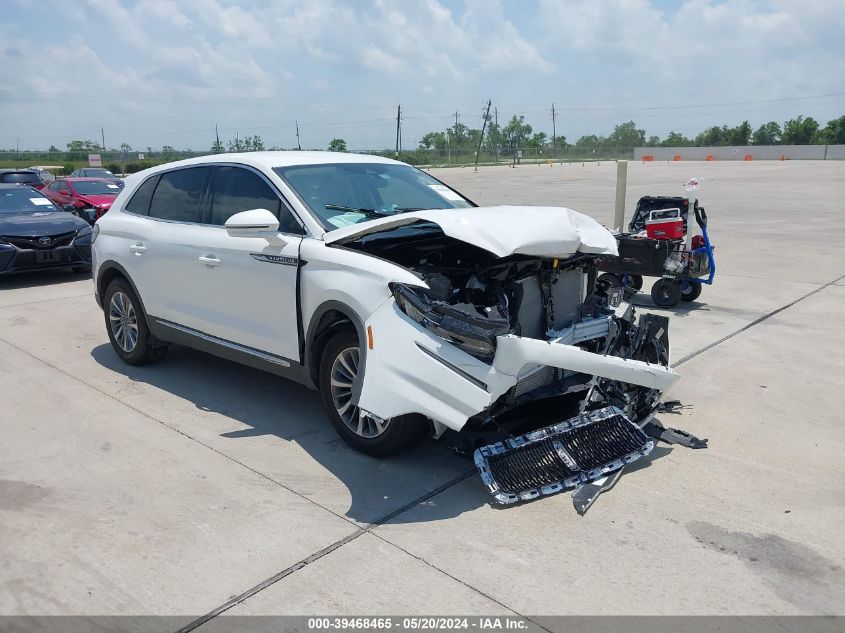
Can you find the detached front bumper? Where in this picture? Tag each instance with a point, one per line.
(410, 370)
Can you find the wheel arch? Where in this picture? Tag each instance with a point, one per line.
(325, 320)
(107, 272)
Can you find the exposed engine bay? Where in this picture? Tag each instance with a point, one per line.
(474, 297)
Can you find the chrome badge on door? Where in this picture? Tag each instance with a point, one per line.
(276, 259)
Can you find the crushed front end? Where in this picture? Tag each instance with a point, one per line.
(534, 352)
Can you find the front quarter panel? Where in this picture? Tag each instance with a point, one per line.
(338, 275)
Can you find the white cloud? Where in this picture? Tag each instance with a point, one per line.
(166, 66)
(375, 58)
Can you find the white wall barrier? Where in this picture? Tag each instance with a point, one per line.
(744, 152)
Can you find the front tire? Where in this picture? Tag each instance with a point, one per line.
(126, 325)
(341, 371)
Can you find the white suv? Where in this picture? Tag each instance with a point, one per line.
(405, 304)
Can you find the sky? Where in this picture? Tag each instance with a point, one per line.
(165, 72)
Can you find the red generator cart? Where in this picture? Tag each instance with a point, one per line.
(655, 246)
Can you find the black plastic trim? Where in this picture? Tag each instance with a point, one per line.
(358, 324)
(179, 334)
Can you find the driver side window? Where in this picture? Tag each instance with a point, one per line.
(237, 189)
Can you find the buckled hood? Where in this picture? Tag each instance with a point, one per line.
(501, 230)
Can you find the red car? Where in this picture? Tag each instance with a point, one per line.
(91, 197)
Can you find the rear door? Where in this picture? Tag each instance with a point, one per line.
(161, 248)
(244, 289)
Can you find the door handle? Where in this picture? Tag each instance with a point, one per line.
(138, 249)
(209, 261)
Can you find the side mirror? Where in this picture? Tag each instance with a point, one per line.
(64, 192)
(69, 208)
(253, 223)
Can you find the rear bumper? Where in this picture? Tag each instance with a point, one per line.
(14, 259)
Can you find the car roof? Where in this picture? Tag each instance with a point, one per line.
(8, 170)
(84, 179)
(268, 160)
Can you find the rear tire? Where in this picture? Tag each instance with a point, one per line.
(666, 293)
(339, 375)
(611, 279)
(126, 325)
(635, 282)
(691, 292)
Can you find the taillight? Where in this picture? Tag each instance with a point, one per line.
(95, 231)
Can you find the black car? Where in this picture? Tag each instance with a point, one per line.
(28, 177)
(36, 234)
(97, 172)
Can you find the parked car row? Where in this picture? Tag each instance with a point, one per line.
(39, 177)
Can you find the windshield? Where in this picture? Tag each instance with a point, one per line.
(96, 188)
(23, 200)
(99, 173)
(340, 194)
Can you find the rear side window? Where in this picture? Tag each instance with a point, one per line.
(180, 195)
(237, 189)
(140, 201)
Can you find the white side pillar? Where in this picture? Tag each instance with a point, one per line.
(621, 187)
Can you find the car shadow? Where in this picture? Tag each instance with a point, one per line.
(36, 278)
(266, 405)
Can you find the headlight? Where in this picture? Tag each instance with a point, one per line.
(475, 335)
(85, 230)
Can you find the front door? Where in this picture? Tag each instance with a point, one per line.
(244, 289)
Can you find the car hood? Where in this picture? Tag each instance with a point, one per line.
(104, 202)
(39, 223)
(502, 230)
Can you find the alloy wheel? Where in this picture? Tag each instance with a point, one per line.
(123, 321)
(343, 376)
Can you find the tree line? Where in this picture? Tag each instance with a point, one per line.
(518, 134)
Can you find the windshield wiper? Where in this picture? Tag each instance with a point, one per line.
(364, 210)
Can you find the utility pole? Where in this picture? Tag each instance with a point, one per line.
(17, 153)
(554, 131)
(298, 144)
(456, 120)
(103, 134)
(217, 145)
(398, 130)
(496, 119)
(481, 138)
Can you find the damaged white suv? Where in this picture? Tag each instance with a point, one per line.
(404, 303)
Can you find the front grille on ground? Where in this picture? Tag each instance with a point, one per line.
(562, 456)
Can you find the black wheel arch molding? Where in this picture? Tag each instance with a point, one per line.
(321, 326)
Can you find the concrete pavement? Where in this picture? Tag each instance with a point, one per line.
(174, 488)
